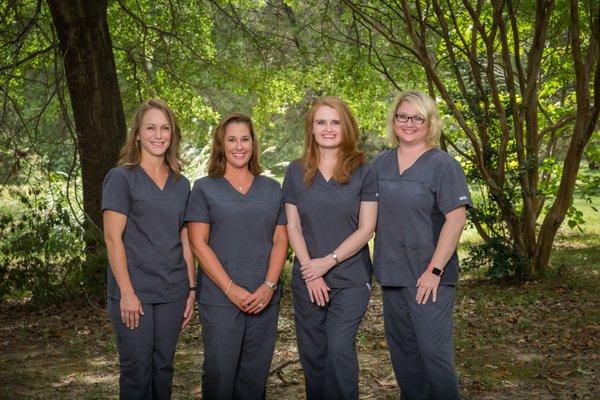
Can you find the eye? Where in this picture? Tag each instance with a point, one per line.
(320, 122)
(418, 119)
(246, 139)
(337, 123)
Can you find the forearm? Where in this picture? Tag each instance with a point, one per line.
(365, 231)
(353, 243)
(298, 243)
(188, 256)
(210, 264)
(118, 263)
(278, 255)
(448, 241)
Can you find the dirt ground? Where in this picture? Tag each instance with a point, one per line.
(539, 340)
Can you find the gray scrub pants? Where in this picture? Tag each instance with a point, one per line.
(238, 350)
(327, 340)
(419, 338)
(146, 353)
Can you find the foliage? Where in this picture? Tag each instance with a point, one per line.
(42, 248)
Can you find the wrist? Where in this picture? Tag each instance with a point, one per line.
(437, 271)
(270, 284)
(334, 259)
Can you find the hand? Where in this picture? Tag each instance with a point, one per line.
(189, 308)
(131, 309)
(318, 291)
(427, 285)
(258, 300)
(237, 295)
(316, 268)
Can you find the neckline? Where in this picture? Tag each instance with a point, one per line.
(239, 191)
(153, 181)
(397, 161)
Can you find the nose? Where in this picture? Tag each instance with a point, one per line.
(239, 145)
(159, 133)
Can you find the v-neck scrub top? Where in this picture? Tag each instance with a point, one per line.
(412, 208)
(241, 231)
(328, 215)
(153, 249)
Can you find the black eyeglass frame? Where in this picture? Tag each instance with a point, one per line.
(410, 118)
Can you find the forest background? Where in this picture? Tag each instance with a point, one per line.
(518, 83)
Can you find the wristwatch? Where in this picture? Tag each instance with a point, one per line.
(437, 271)
(272, 285)
(335, 258)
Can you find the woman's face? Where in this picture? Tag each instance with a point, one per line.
(237, 144)
(154, 133)
(327, 127)
(410, 126)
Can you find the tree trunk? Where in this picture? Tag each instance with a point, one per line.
(85, 44)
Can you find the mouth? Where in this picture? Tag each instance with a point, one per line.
(328, 136)
(158, 144)
(239, 156)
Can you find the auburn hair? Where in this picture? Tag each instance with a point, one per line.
(349, 156)
(217, 160)
(130, 154)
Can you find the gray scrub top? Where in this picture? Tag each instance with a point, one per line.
(155, 262)
(412, 209)
(241, 231)
(329, 214)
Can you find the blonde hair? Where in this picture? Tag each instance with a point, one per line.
(349, 155)
(217, 160)
(131, 153)
(426, 107)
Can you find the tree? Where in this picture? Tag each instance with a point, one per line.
(501, 67)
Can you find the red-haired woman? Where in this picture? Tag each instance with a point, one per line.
(330, 199)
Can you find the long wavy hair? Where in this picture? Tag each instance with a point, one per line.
(131, 152)
(217, 160)
(427, 107)
(349, 156)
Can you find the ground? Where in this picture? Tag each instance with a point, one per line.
(538, 340)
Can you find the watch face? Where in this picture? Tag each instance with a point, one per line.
(436, 271)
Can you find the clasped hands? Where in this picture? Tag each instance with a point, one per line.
(250, 303)
(312, 272)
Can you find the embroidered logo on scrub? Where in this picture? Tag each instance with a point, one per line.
(462, 198)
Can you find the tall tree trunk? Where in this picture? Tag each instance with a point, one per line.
(85, 44)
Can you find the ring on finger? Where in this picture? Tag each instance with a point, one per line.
(260, 305)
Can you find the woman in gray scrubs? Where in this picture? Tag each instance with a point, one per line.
(151, 279)
(331, 205)
(237, 231)
(423, 196)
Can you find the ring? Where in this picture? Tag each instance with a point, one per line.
(260, 305)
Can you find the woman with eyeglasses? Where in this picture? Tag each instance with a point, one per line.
(423, 199)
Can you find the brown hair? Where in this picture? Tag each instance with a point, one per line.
(217, 161)
(131, 154)
(426, 107)
(349, 155)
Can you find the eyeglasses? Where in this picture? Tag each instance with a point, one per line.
(403, 118)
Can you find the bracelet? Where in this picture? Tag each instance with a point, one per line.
(228, 287)
(192, 288)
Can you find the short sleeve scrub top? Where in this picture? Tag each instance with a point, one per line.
(328, 213)
(153, 248)
(412, 208)
(241, 231)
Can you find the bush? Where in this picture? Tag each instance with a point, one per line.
(41, 248)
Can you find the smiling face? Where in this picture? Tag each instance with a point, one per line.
(154, 133)
(237, 145)
(327, 127)
(410, 133)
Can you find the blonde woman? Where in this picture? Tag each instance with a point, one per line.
(423, 197)
(151, 279)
